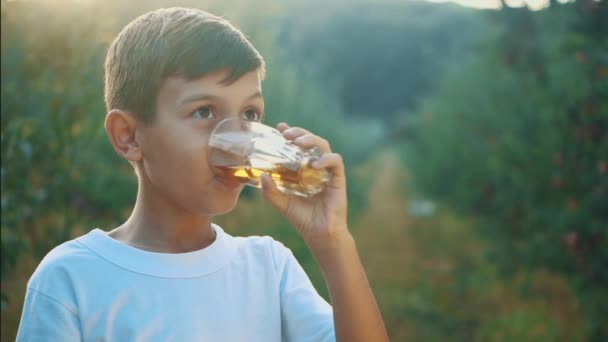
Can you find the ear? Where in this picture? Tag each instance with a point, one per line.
(121, 127)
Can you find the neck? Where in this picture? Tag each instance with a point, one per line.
(159, 226)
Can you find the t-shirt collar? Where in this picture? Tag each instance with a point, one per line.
(165, 265)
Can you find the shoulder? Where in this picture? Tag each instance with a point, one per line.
(61, 264)
(264, 247)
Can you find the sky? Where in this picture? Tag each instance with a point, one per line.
(533, 4)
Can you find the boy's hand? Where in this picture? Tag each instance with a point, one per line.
(320, 219)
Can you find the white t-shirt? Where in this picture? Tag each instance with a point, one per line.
(95, 288)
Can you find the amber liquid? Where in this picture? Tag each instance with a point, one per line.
(305, 181)
(247, 154)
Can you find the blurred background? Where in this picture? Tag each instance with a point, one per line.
(475, 134)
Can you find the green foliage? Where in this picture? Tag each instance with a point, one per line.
(52, 126)
(519, 326)
(379, 59)
(519, 135)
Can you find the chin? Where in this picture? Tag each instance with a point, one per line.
(221, 211)
(221, 204)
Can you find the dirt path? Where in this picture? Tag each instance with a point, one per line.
(415, 265)
(385, 224)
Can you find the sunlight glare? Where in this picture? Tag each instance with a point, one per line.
(496, 4)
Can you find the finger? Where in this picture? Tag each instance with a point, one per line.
(334, 163)
(282, 126)
(330, 161)
(310, 140)
(294, 132)
(272, 193)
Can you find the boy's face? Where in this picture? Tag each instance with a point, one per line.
(174, 146)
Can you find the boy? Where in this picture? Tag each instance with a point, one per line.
(168, 273)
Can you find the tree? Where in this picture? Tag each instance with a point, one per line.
(520, 137)
(379, 59)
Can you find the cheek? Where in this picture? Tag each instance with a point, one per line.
(178, 161)
(179, 170)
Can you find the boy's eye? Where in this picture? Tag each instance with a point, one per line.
(252, 115)
(204, 113)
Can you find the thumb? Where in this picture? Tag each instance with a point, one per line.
(272, 194)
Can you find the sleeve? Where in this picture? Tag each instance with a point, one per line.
(46, 319)
(305, 315)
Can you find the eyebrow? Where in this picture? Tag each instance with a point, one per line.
(201, 97)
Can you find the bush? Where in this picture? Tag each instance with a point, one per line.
(520, 136)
